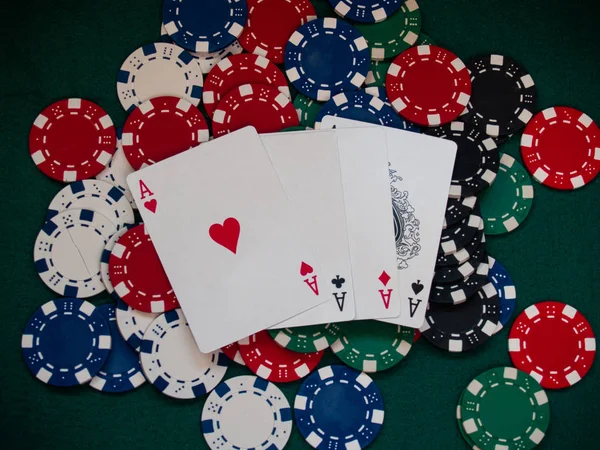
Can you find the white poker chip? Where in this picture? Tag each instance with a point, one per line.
(106, 258)
(172, 362)
(133, 323)
(246, 412)
(68, 249)
(95, 195)
(117, 170)
(157, 70)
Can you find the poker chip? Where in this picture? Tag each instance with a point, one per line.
(395, 34)
(462, 327)
(459, 235)
(428, 85)
(65, 342)
(157, 70)
(307, 339)
(506, 204)
(271, 23)
(455, 274)
(105, 258)
(504, 408)
(363, 107)
(246, 412)
(208, 60)
(552, 342)
(293, 129)
(503, 96)
(377, 73)
(379, 92)
(172, 362)
(72, 139)
(260, 106)
(160, 128)
(94, 195)
(68, 249)
(137, 274)
(464, 289)
(477, 158)
(325, 57)
(457, 209)
(338, 407)
(204, 25)
(232, 351)
(133, 323)
(424, 39)
(507, 292)
(117, 170)
(367, 347)
(122, 371)
(464, 254)
(267, 359)
(307, 110)
(366, 11)
(559, 147)
(236, 71)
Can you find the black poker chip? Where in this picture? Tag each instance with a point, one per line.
(459, 292)
(455, 274)
(458, 209)
(459, 235)
(477, 158)
(503, 95)
(458, 328)
(462, 255)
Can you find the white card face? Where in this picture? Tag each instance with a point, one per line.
(369, 219)
(226, 236)
(308, 167)
(420, 173)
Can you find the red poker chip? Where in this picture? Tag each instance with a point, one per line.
(257, 105)
(428, 85)
(137, 274)
(552, 342)
(160, 128)
(72, 139)
(237, 70)
(232, 351)
(560, 146)
(270, 24)
(267, 359)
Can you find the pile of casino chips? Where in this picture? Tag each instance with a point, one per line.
(221, 65)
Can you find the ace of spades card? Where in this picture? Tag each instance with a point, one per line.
(226, 235)
(419, 190)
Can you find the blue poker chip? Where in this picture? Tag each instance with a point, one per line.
(122, 371)
(246, 412)
(325, 57)
(66, 342)
(363, 107)
(366, 11)
(338, 408)
(204, 25)
(507, 291)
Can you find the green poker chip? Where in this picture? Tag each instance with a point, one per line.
(307, 110)
(371, 346)
(504, 408)
(397, 33)
(296, 128)
(308, 339)
(507, 202)
(377, 73)
(424, 40)
(463, 433)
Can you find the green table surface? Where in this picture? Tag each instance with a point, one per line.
(74, 48)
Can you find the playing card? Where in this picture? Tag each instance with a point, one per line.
(225, 233)
(308, 166)
(369, 221)
(420, 170)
